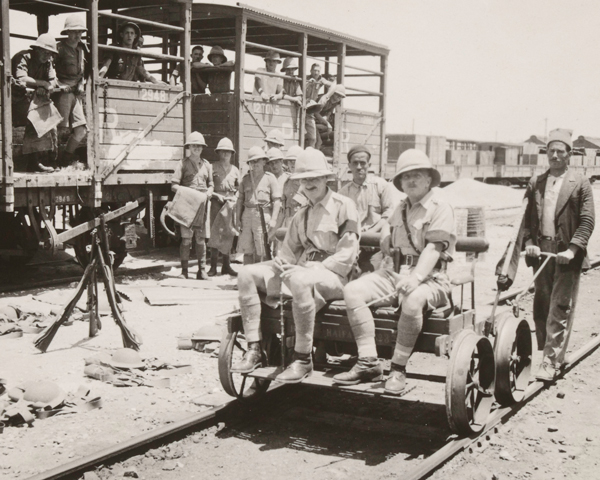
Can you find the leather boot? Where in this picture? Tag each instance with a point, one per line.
(298, 370)
(396, 382)
(184, 268)
(226, 268)
(365, 370)
(251, 361)
(201, 254)
(214, 258)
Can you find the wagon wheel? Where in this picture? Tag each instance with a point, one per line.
(231, 351)
(470, 383)
(513, 350)
(80, 243)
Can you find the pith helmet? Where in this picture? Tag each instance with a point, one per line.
(289, 62)
(43, 393)
(275, 136)
(195, 138)
(46, 42)
(293, 152)
(126, 358)
(413, 159)
(225, 144)
(274, 154)
(271, 55)
(311, 163)
(74, 23)
(339, 89)
(561, 135)
(256, 153)
(216, 51)
(312, 106)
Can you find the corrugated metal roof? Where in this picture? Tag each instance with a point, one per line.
(315, 28)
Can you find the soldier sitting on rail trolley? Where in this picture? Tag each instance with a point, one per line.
(124, 66)
(422, 231)
(317, 255)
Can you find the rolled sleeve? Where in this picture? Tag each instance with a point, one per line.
(177, 174)
(441, 227)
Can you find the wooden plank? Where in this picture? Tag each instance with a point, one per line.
(145, 92)
(290, 135)
(215, 101)
(209, 128)
(138, 179)
(156, 152)
(139, 166)
(135, 107)
(139, 122)
(6, 161)
(216, 116)
(122, 137)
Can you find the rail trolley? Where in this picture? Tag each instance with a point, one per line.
(136, 130)
(482, 369)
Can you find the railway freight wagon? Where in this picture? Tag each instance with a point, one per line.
(246, 34)
(136, 130)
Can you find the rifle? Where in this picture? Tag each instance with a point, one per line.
(263, 224)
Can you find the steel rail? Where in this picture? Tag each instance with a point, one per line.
(77, 468)
(448, 451)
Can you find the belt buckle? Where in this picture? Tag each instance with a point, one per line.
(409, 259)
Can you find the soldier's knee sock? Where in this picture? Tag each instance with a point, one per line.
(201, 253)
(250, 307)
(409, 328)
(214, 258)
(184, 250)
(304, 321)
(363, 329)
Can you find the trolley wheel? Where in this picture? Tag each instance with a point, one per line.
(80, 243)
(470, 383)
(513, 350)
(231, 351)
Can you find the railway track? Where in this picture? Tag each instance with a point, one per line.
(290, 403)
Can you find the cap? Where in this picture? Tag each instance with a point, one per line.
(358, 149)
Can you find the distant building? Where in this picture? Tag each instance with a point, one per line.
(587, 150)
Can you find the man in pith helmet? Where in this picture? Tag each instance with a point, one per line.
(313, 264)
(422, 228)
(197, 173)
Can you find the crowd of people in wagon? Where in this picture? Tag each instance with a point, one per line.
(50, 76)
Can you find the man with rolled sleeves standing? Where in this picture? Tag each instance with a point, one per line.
(422, 228)
(318, 253)
(197, 173)
(374, 197)
(259, 198)
(559, 220)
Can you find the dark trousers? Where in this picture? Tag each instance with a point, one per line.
(554, 302)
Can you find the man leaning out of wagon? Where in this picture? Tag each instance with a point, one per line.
(422, 228)
(317, 256)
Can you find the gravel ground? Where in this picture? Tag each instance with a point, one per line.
(524, 448)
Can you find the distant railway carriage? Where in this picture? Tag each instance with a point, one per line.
(493, 162)
(136, 130)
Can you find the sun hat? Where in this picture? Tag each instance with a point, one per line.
(413, 159)
(256, 153)
(225, 144)
(274, 154)
(311, 163)
(195, 138)
(275, 136)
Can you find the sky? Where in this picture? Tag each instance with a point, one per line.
(474, 69)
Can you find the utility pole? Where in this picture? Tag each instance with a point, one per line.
(546, 127)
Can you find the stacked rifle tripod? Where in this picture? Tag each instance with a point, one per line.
(99, 265)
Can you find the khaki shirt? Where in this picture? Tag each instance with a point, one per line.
(265, 190)
(331, 227)
(226, 184)
(292, 199)
(429, 220)
(194, 174)
(375, 199)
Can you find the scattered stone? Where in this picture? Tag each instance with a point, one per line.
(169, 466)
(504, 455)
(553, 428)
(131, 473)
(560, 394)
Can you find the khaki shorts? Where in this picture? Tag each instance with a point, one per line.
(71, 108)
(251, 239)
(383, 282)
(327, 286)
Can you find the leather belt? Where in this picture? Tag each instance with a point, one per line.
(255, 205)
(548, 238)
(317, 256)
(412, 260)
